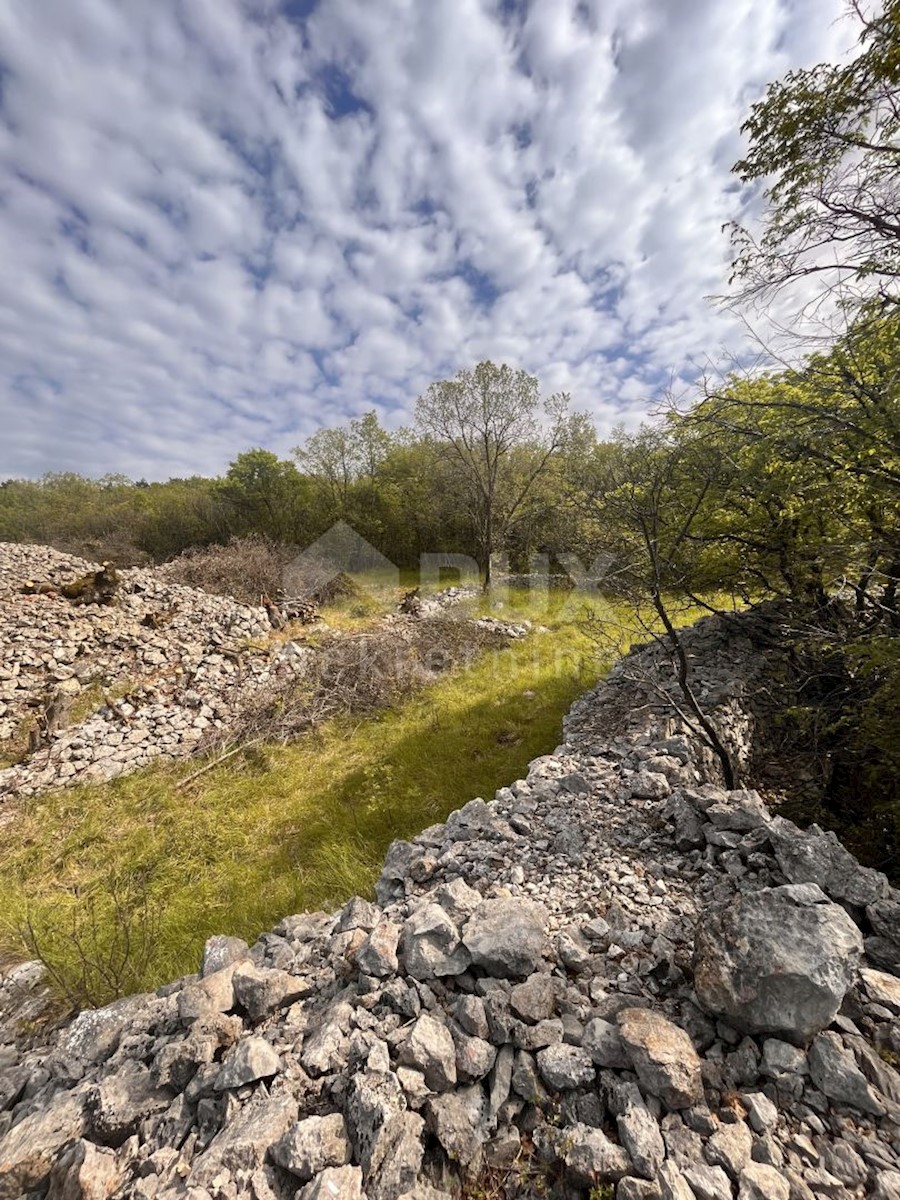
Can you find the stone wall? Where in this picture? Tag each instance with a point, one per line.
(616, 978)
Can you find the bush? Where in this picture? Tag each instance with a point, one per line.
(358, 675)
(245, 568)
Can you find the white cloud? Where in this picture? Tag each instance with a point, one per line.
(221, 227)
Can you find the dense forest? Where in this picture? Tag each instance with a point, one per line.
(780, 483)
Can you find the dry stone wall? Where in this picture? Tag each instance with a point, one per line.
(614, 979)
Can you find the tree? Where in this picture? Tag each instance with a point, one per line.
(486, 419)
(827, 141)
(267, 495)
(645, 496)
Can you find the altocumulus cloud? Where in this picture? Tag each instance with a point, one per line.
(225, 223)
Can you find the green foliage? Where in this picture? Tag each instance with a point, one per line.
(825, 141)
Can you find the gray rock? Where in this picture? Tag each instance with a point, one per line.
(816, 856)
(882, 988)
(429, 1048)
(886, 1186)
(260, 991)
(834, 1071)
(759, 1182)
(324, 1047)
(740, 812)
(688, 825)
(84, 1171)
(374, 1099)
(505, 937)
(30, 1148)
(378, 954)
(535, 999)
(564, 1067)
(94, 1034)
(118, 1104)
(708, 1183)
(212, 994)
(590, 1157)
(602, 1041)
(672, 1183)
(474, 1057)
(251, 1059)
(432, 945)
(630, 1188)
(357, 913)
(312, 1145)
(242, 1143)
(334, 1183)
(221, 951)
(761, 1111)
(730, 1147)
(884, 915)
(457, 1121)
(663, 1057)
(640, 1134)
(396, 1158)
(777, 960)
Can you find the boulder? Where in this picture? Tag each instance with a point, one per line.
(505, 937)
(815, 855)
(564, 1067)
(777, 961)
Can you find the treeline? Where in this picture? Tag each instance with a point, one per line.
(403, 492)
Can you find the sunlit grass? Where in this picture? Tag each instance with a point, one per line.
(286, 828)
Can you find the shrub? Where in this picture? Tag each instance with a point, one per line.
(245, 568)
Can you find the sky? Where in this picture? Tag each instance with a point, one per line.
(227, 223)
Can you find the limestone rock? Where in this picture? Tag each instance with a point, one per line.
(663, 1057)
(816, 856)
(429, 1048)
(432, 945)
(334, 1183)
(378, 954)
(251, 1059)
(119, 1103)
(505, 937)
(312, 1145)
(760, 1182)
(834, 1072)
(260, 991)
(778, 960)
(30, 1148)
(84, 1172)
(564, 1067)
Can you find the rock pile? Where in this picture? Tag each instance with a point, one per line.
(178, 658)
(103, 690)
(616, 979)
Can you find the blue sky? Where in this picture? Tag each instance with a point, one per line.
(225, 223)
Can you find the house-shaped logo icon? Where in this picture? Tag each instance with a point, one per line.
(339, 551)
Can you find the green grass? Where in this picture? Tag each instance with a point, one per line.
(284, 829)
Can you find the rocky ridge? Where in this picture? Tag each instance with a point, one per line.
(615, 979)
